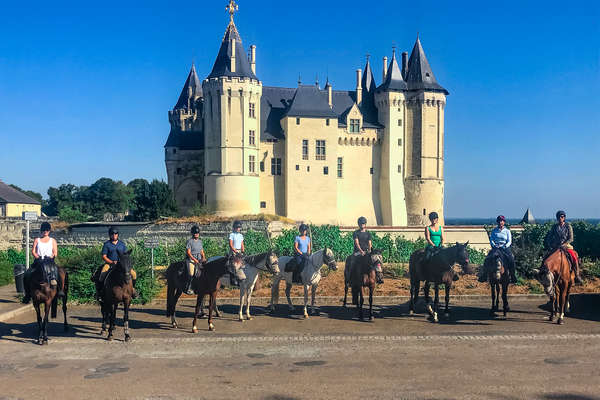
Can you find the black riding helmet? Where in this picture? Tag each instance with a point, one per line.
(45, 227)
(560, 213)
(237, 224)
(433, 215)
(362, 220)
(112, 230)
(195, 229)
(302, 228)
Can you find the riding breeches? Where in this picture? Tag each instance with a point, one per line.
(191, 267)
(107, 267)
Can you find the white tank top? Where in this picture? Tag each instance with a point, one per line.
(44, 249)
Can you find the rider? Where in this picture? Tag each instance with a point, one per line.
(236, 239)
(501, 239)
(44, 247)
(302, 248)
(194, 256)
(561, 236)
(434, 235)
(110, 255)
(362, 238)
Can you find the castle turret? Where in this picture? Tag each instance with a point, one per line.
(390, 102)
(232, 94)
(424, 173)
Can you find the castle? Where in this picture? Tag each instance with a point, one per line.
(318, 155)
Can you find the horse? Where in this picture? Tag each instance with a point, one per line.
(438, 269)
(311, 275)
(205, 283)
(364, 272)
(266, 262)
(43, 293)
(498, 276)
(117, 288)
(556, 275)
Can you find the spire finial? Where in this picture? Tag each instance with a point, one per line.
(232, 7)
(317, 79)
(299, 79)
(368, 55)
(393, 49)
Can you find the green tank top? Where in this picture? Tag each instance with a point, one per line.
(436, 237)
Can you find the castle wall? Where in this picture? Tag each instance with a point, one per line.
(272, 187)
(185, 172)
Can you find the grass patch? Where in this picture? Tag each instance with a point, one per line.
(6, 273)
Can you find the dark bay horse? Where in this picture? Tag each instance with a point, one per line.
(207, 283)
(498, 276)
(557, 278)
(43, 293)
(364, 272)
(436, 270)
(118, 288)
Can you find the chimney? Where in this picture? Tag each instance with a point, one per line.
(404, 64)
(329, 95)
(358, 86)
(253, 58)
(385, 64)
(232, 67)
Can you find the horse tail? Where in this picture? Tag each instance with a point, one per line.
(355, 293)
(54, 306)
(275, 289)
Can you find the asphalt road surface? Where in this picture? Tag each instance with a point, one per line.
(330, 356)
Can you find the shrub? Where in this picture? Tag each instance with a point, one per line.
(6, 273)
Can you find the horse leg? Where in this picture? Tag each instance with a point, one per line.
(371, 290)
(563, 300)
(248, 299)
(173, 311)
(360, 303)
(64, 303)
(505, 307)
(552, 307)
(568, 303)
(305, 301)
(199, 298)
(47, 307)
(213, 299)
(112, 311)
(216, 308)
(39, 321)
(436, 302)
(104, 318)
(414, 295)
(345, 292)
(447, 300)
(126, 304)
(427, 298)
(313, 292)
(242, 295)
(288, 288)
(274, 293)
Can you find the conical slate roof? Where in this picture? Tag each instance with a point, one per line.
(528, 217)
(222, 66)
(393, 79)
(192, 82)
(368, 81)
(309, 101)
(419, 75)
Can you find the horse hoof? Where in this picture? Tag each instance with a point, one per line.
(174, 326)
(249, 318)
(217, 315)
(127, 338)
(560, 321)
(194, 330)
(306, 316)
(435, 317)
(40, 341)
(430, 309)
(504, 314)
(411, 312)
(102, 332)
(202, 315)
(241, 319)
(211, 327)
(550, 318)
(371, 319)
(109, 338)
(45, 342)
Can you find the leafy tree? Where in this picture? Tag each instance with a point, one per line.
(63, 196)
(151, 200)
(106, 196)
(71, 215)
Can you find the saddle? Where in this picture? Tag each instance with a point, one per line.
(49, 270)
(571, 257)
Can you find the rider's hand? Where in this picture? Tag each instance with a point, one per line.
(362, 253)
(114, 262)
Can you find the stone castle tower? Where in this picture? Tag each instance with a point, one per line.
(321, 155)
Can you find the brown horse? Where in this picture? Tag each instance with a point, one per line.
(207, 283)
(556, 277)
(438, 269)
(498, 276)
(365, 271)
(43, 293)
(118, 288)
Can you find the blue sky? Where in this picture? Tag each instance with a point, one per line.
(85, 87)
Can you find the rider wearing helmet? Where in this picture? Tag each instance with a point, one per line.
(501, 239)
(236, 239)
(302, 249)
(110, 255)
(434, 235)
(362, 238)
(560, 236)
(43, 247)
(194, 256)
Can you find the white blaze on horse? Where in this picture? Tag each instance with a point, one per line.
(265, 262)
(310, 278)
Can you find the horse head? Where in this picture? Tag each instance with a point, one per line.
(546, 278)
(273, 262)
(329, 259)
(235, 263)
(462, 255)
(125, 264)
(494, 263)
(376, 262)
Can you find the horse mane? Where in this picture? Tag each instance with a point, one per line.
(254, 259)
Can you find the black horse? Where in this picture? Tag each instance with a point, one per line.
(118, 288)
(499, 277)
(360, 272)
(207, 282)
(436, 270)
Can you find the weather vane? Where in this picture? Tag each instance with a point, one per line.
(231, 8)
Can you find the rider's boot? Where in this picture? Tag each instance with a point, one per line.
(578, 279)
(188, 286)
(26, 298)
(513, 276)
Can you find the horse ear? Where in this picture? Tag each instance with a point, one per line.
(457, 243)
(466, 244)
(535, 271)
(128, 252)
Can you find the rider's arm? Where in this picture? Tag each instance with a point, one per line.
(357, 244)
(492, 243)
(54, 248)
(443, 236)
(243, 248)
(108, 260)
(190, 256)
(231, 246)
(569, 235)
(370, 245)
(508, 240)
(296, 248)
(427, 238)
(203, 256)
(309, 246)
(33, 249)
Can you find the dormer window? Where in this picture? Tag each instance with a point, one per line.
(354, 125)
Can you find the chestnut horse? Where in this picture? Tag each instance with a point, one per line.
(43, 293)
(117, 288)
(556, 275)
(438, 269)
(207, 283)
(497, 276)
(365, 271)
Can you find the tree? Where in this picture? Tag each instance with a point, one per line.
(107, 196)
(63, 196)
(30, 193)
(151, 200)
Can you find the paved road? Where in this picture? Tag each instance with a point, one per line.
(329, 356)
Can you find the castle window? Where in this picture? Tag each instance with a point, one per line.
(325, 170)
(399, 142)
(297, 167)
(262, 166)
(252, 138)
(199, 196)
(252, 110)
(371, 170)
(178, 171)
(297, 121)
(263, 204)
(304, 149)
(320, 150)
(399, 168)
(251, 163)
(174, 151)
(275, 166)
(327, 122)
(399, 122)
(424, 212)
(354, 125)
(340, 167)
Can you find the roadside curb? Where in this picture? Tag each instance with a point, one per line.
(5, 316)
